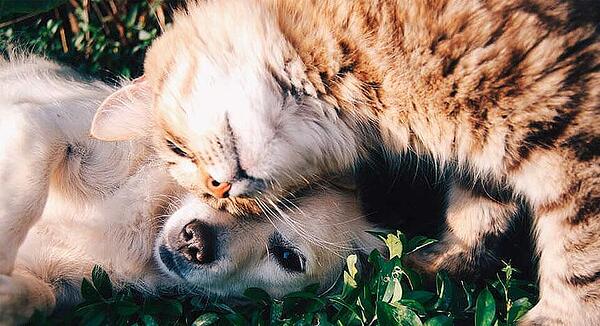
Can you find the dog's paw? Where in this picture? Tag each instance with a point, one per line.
(16, 303)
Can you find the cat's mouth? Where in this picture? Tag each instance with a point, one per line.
(247, 187)
(237, 206)
(258, 202)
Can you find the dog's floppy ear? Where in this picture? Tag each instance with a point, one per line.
(125, 114)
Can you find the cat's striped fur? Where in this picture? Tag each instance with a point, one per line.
(506, 91)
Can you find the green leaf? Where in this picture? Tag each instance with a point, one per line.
(302, 295)
(440, 320)
(236, 319)
(206, 319)
(144, 35)
(420, 296)
(171, 307)
(518, 309)
(349, 285)
(351, 265)
(445, 290)
(469, 290)
(414, 305)
(89, 292)
(258, 296)
(414, 279)
(221, 307)
(94, 319)
(351, 308)
(394, 245)
(149, 320)
(19, 7)
(126, 308)
(388, 314)
(350, 282)
(153, 306)
(276, 312)
(485, 308)
(132, 15)
(393, 291)
(102, 282)
(84, 309)
(313, 288)
(508, 272)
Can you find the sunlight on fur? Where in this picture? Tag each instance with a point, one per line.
(70, 202)
(262, 97)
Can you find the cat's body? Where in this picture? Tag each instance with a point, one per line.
(504, 91)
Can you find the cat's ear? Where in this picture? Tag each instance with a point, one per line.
(125, 114)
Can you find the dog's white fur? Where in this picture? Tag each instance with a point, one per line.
(114, 205)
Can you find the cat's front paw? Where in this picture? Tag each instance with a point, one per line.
(17, 302)
(458, 260)
(533, 318)
(426, 262)
(560, 311)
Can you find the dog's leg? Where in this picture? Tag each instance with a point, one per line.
(21, 294)
(25, 166)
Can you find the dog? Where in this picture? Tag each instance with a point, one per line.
(70, 202)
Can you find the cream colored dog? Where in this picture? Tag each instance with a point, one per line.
(69, 202)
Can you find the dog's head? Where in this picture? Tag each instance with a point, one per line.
(234, 111)
(298, 243)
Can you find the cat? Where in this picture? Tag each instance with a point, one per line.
(252, 100)
(114, 204)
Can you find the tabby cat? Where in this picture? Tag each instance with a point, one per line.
(254, 99)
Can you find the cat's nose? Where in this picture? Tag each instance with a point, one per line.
(196, 242)
(218, 189)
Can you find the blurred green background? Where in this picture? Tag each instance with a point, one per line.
(105, 38)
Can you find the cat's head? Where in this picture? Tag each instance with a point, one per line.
(232, 109)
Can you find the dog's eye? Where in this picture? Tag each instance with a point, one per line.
(289, 259)
(286, 255)
(176, 149)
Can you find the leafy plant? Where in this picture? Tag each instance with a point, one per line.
(106, 38)
(391, 294)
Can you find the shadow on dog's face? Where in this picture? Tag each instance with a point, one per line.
(295, 245)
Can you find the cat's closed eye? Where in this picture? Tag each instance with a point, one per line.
(176, 149)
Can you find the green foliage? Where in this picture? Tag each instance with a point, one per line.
(12, 8)
(391, 294)
(103, 38)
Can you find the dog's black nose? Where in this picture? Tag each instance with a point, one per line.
(196, 242)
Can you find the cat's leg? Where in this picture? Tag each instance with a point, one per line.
(21, 294)
(474, 220)
(566, 207)
(25, 165)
